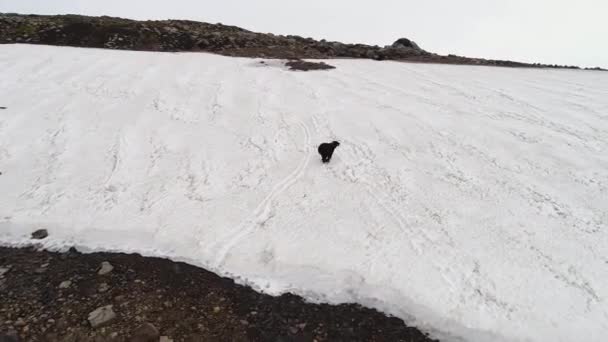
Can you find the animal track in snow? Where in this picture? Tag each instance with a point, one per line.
(263, 211)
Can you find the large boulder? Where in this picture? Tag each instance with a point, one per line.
(146, 332)
(404, 43)
(101, 316)
(40, 234)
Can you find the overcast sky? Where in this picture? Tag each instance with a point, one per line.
(549, 31)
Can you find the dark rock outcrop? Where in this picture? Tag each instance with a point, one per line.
(184, 35)
(306, 66)
(404, 43)
(40, 234)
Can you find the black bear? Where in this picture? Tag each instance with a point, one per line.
(326, 150)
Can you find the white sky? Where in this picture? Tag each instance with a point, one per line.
(549, 31)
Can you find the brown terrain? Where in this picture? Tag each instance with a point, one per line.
(183, 35)
(102, 297)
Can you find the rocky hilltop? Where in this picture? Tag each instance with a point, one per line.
(183, 35)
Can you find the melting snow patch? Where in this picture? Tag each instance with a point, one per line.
(470, 201)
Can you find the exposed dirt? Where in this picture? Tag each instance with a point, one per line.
(300, 65)
(48, 297)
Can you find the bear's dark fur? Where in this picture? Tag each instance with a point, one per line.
(326, 150)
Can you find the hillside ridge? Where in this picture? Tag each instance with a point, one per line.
(185, 35)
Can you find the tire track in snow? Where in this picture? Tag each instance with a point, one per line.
(263, 211)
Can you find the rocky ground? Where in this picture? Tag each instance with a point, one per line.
(182, 35)
(77, 297)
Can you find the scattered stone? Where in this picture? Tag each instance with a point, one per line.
(62, 324)
(146, 332)
(40, 270)
(69, 254)
(40, 234)
(101, 316)
(103, 287)
(257, 317)
(87, 287)
(10, 336)
(65, 284)
(51, 337)
(131, 274)
(105, 268)
(20, 322)
(4, 270)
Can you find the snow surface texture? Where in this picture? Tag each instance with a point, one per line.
(470, 201)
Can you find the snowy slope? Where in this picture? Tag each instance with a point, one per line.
(470, 201)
